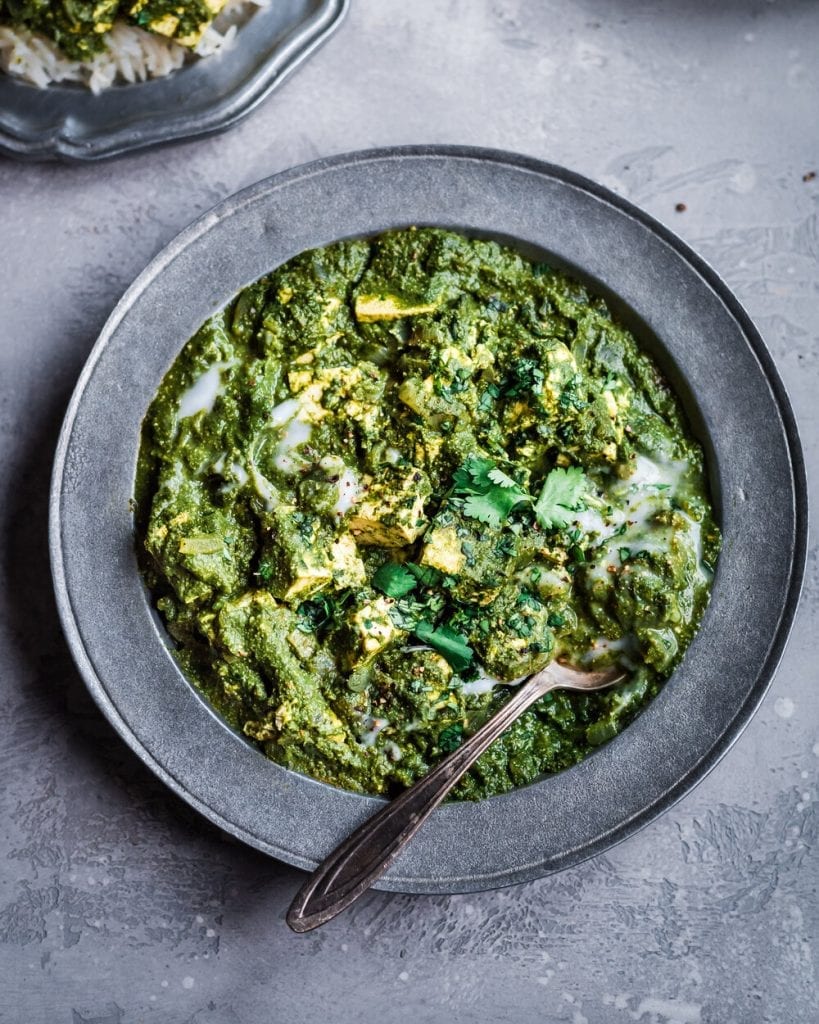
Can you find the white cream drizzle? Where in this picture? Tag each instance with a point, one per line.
(202, 394)
(349, 491)
(372, 727)
(284, 412)
(239, 473)
(602, 645)
(641, 496)
(295, 433)
(485, 683)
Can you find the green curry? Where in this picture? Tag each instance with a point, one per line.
(78, 27)
(395, 476)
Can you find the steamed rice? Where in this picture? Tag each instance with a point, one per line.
(132, 55)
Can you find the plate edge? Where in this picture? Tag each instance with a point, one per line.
(543, 168)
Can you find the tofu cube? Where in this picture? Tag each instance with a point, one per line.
(392, 512)
(369, 308)
(294, 561)
(345, 563)
(442, 550)
(370, 630)
(479, 559)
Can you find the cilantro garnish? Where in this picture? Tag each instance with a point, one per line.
(447, 642)
(427, 575)
(394, 580)
(315, 614)
(398, 580)
(488, 398)
(525, 375)
(562, 494)
(487, 493)
(451, 738)
(569, 398)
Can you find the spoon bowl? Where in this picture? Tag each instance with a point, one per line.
(365, 855)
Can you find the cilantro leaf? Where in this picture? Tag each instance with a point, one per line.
(394, 580)
(451, 737)
(497, 476)
(492, 508)
(315, 615)
(426, 575)
(562, 494)
(473, 475)
(487, 493)
(406, 613)
(446, 642)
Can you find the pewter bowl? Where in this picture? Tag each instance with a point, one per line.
(680, 311)
(67, 122)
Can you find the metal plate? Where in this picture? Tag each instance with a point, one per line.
(681, 312)
(68, 122)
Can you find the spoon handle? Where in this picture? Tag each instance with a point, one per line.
(363, 857)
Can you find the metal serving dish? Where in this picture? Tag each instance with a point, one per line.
(67, 122)
(680, 311)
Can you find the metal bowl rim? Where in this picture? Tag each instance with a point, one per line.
(744, 712)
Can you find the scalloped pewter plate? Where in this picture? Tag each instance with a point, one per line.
(67, 122)
(681, 312)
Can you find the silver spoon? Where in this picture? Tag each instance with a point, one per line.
(366, 854)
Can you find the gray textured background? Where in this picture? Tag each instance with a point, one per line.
(118, 905)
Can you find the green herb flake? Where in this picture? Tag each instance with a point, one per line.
(446, 642)
(525, 376)
(562, 494)
(451, 738)
(314, 615)
(394, 580)
(488, 494)
(577, 554)
(426, 575)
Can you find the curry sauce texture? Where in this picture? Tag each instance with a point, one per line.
(394, 477)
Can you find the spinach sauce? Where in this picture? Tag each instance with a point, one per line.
(396, 475)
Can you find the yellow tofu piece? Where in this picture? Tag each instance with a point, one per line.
(416, 394)
(345, 563)
(442, 550)
(391, 513)
(562, 367)
(298, 380)
(611, 404)
(428, 453)
(302, 643)
(456, 358)
(294, 561)
(370, 630)
(520, 415)
(369, 308)
(164, 26)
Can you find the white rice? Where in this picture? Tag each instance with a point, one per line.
(132, 54)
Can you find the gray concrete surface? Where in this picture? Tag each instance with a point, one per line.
(118, 904)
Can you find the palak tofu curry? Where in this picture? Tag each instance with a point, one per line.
(397, 475)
